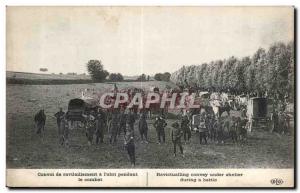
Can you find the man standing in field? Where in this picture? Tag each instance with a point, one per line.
(131, 121)
(185, 128)
(40, 121)
(59, 116)
(100, 125)
(212, 131)
(63, 131)
(219, 131)
(160, 125)
(130, 146)
(123, 118)
(143, 127)
(113, 128)
(176, 138)
(90, 126)
(233, 128)
(202, 130)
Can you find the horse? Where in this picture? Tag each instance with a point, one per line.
(219, 109)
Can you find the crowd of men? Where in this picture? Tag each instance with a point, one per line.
(121, 122)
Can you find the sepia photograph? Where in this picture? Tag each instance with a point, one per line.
(147, 91)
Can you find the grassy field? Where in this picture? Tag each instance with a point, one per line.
(27, 78)
(26, 150)
(44, 76)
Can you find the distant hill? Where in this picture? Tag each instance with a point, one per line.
(48, 79)
(40, 76)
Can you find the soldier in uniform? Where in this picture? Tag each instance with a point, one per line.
(123, 119)
(89, 126)
(131, 121)
(233, 129)
(219, 131)
(242, 130)
(212, 131)
(130, 146)
(275, 119)
(185, 128)
(100, 126)
(59, 116)
(143, 127)
(176, 138)
(40, 121)
(113, 128)
(64, 131)
(160, 125)
(202, 130)
(208, 120)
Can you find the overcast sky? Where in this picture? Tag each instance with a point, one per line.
(135, 40)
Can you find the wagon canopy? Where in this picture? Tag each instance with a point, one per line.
(257, 107)
(76, 104)
(82, 104)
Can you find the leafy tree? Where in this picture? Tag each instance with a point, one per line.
(96, 70)
(259, 63)
(269, 71)
(142, 77)
(115, 77)
(158, 76)
(166, 76)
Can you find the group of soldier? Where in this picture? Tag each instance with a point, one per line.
(116, 122)
(96, 122)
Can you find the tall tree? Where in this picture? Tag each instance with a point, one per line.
(96, 70)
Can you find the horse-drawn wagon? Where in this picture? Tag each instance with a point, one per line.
(77, 107)
(257, 113)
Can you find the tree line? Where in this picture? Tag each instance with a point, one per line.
(98, 74)
(268, 72)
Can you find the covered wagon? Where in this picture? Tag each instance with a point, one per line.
(77, 107)
(257, 113)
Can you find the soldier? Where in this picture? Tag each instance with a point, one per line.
(130, 146)
(208, 124)
(131, 121)
(185, 128)
(123, 118)
(176, 138)
(287, 123)
(89, 126)
(212, 131)
(233, 129)
(40, 121)
(281, 122)
(59, 116)
(275, 119)
(160, 125)
(202, 130)
(143, 127)
(219, 131)
(100, 125)
(64, 131)
(113, 128)
(242, 130)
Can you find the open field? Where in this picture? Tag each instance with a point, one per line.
(26, 150)
(35, 76)
(52, 79)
